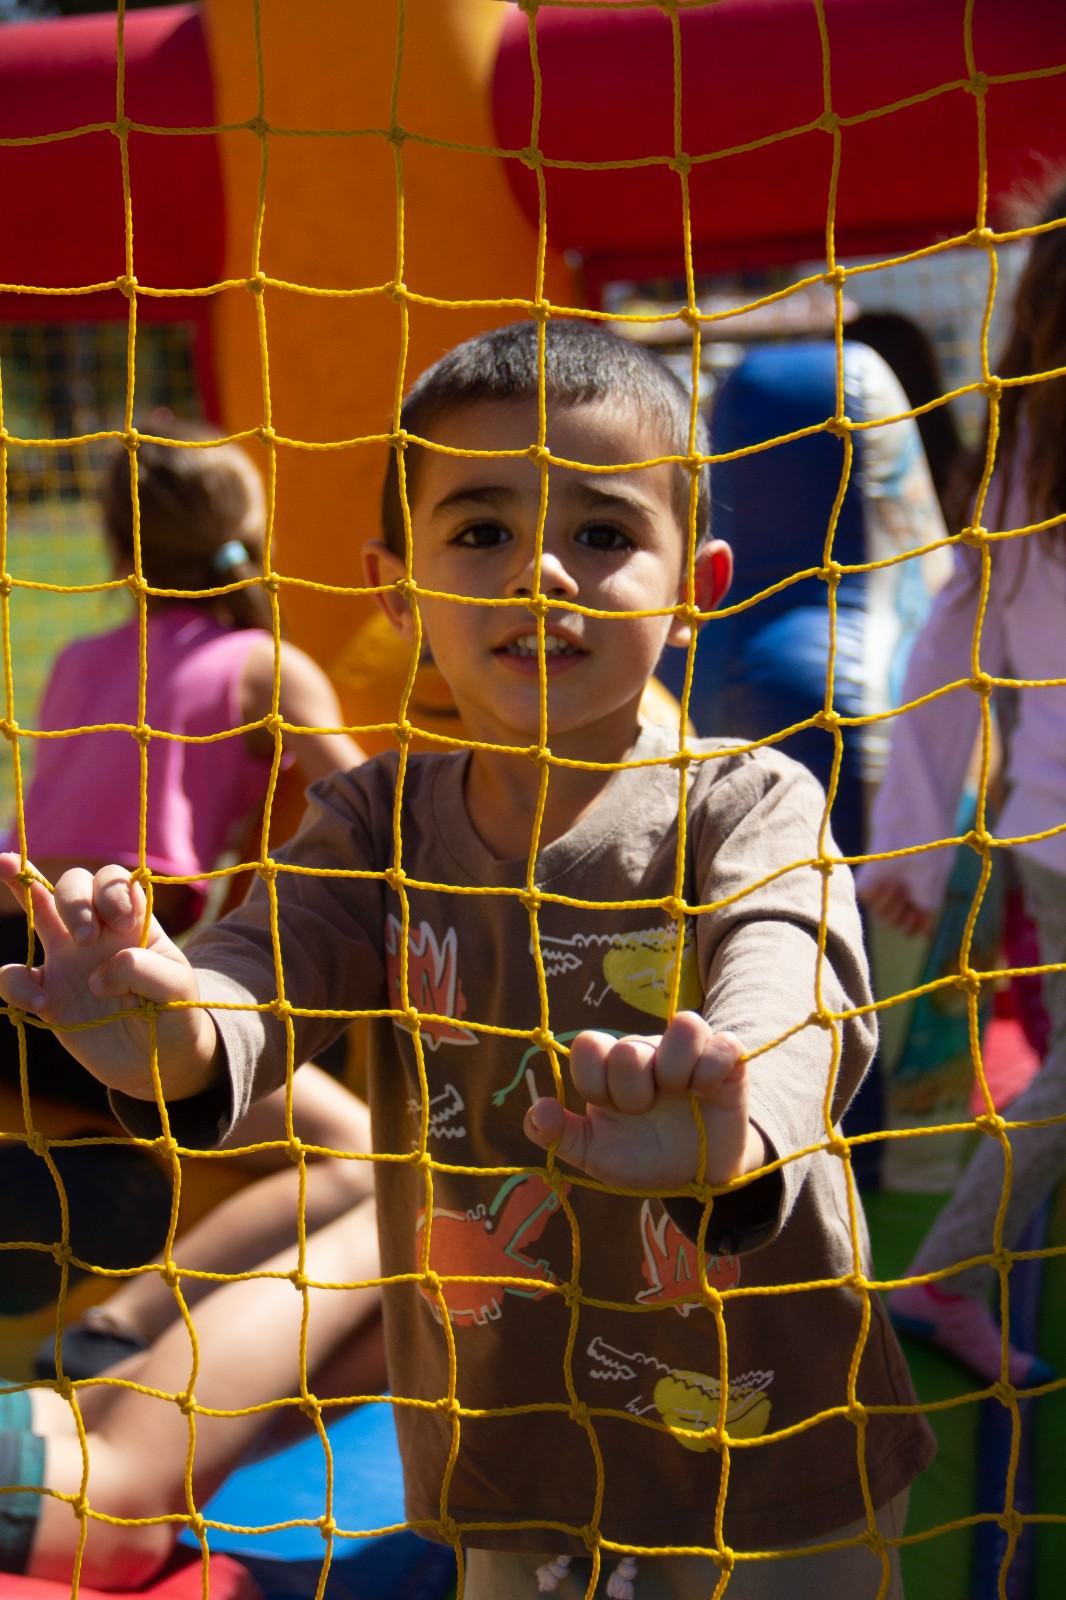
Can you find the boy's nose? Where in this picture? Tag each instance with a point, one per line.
(555, 577)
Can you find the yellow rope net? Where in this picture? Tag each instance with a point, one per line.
(969, 981)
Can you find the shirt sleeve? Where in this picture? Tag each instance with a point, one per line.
(932, 744)
(766, 979)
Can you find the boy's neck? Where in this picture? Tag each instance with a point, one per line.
(502, 792)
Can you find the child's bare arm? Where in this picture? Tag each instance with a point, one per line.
(95, 969)
(638, 1130)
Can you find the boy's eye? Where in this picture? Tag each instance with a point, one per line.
(604, 536)
(482, 535)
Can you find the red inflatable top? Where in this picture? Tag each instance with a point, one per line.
(751, 69)
(62, 212)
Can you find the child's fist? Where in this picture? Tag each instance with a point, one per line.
(638, 1130)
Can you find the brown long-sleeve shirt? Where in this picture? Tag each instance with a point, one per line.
(635, 1345)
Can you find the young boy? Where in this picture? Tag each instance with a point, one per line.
(559, 1378)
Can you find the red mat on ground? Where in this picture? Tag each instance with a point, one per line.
(182, 1580)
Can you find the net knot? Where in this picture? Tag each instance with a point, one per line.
(126, 285)
(257, 283)
(539, 754)
(531, 899)
(170, 1275)
(682, 165)
(403, 732)
(80, 1507)
(840, 426)
(589, 1537)
(989, 1122)
(978, 84)
(580, 1414)
(295, 1149)
(396, 136)
(530, 157)
(64, 1387)
(839, 1147)
(835, 278)
(541, 456)
(37, 1143)
(981, 237)
(688, 612)
(974, 535)
(449, 1530)
(397, 291)
(274, 723)
(406, 588)
(830, 720)
(186, 1403)
(979, 839)
(821, 1019)
(681, 761)
(829, 121)
(258, 125)
(399, 438)
(673, 907)
(327, 1526)
(394, 877)
(298, 1280)
(969, 981)
(61, 1252)
(7, 583)
(857, 1413)
(280, 1008)
(725, 1558)
(196, 1524)
(832, 572)
(136, 585)
(432, 1285)
(542, 1038)
(10, 729)
(1012, 1521)
(448, 1406)
(267, 870)
(992, 387)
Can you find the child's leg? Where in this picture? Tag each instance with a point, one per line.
(966, 1225)
(853, 1573)
(252, 1224)
(248, 1335)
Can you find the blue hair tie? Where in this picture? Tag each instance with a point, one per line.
(229, 555)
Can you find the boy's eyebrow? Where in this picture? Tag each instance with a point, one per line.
(590, 491)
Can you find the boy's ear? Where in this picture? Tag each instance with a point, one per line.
(714, 574)
(382, 566)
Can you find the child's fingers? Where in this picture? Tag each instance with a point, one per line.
(548, 1120)
(144, 975)
(588, 1065)
(86, 902)
(631, 1075)
(46, 921)
(20, 987)
(692, 1059)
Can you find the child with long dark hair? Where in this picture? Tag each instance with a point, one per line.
(1021, 630)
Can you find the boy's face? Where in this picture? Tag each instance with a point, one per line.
(613, 543)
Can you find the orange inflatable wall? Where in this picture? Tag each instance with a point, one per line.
(331, 223)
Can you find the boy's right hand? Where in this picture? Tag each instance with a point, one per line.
(95, 968)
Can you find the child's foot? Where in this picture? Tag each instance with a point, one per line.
(965, 1328)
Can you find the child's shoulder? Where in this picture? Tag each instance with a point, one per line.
(732, 782)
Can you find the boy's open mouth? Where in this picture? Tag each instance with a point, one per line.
(523, 648)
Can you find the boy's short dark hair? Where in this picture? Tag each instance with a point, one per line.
(583, 363)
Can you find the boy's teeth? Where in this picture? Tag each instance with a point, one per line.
(553, 645)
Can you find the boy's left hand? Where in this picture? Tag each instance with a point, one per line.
(638, 1130)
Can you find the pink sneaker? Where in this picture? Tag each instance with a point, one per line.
(965, 1328)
